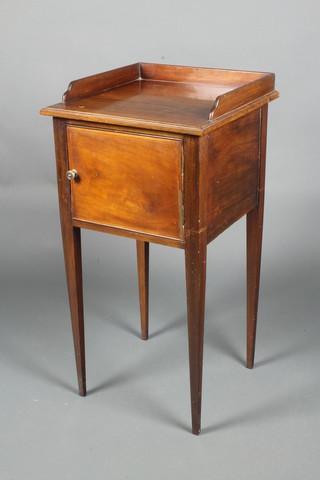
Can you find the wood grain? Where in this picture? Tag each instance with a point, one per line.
(195, 264)
(94, 84)
(127, 181)
(154, 105)
(233, 162)
(72, 253)
(122, 232)
(143, 280)
(254, 244)
(188, 100)
(242, 95)
(197, 75)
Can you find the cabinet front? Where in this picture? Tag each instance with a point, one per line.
(128, 181)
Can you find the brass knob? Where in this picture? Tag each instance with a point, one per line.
(72, 174)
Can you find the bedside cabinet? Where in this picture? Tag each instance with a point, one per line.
(165, 154)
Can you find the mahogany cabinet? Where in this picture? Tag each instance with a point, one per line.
(165, 154)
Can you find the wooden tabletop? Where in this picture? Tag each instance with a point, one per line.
(160, 97)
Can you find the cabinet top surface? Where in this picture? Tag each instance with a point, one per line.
(167, 98)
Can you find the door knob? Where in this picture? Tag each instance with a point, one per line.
(72, 174)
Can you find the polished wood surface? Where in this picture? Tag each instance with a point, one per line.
(161, 240)
(198, 75)
(167, 106)
(195, 263)
(72, 253)
(127, 181)
(245, 94)
(254, 244)
(233, 163)
(186, 100)
(164, 154)
(143, 280)
(100, 82)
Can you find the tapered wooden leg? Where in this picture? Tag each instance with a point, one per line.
(195, 259)
(72, 253)
(143, 278)
(195, 234)
(254, 244)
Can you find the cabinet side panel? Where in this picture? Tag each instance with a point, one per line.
(233, 166)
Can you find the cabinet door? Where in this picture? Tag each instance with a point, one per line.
(125, 180)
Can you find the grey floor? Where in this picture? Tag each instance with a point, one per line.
(135, 421)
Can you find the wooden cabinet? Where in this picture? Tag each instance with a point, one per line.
(165, 154)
